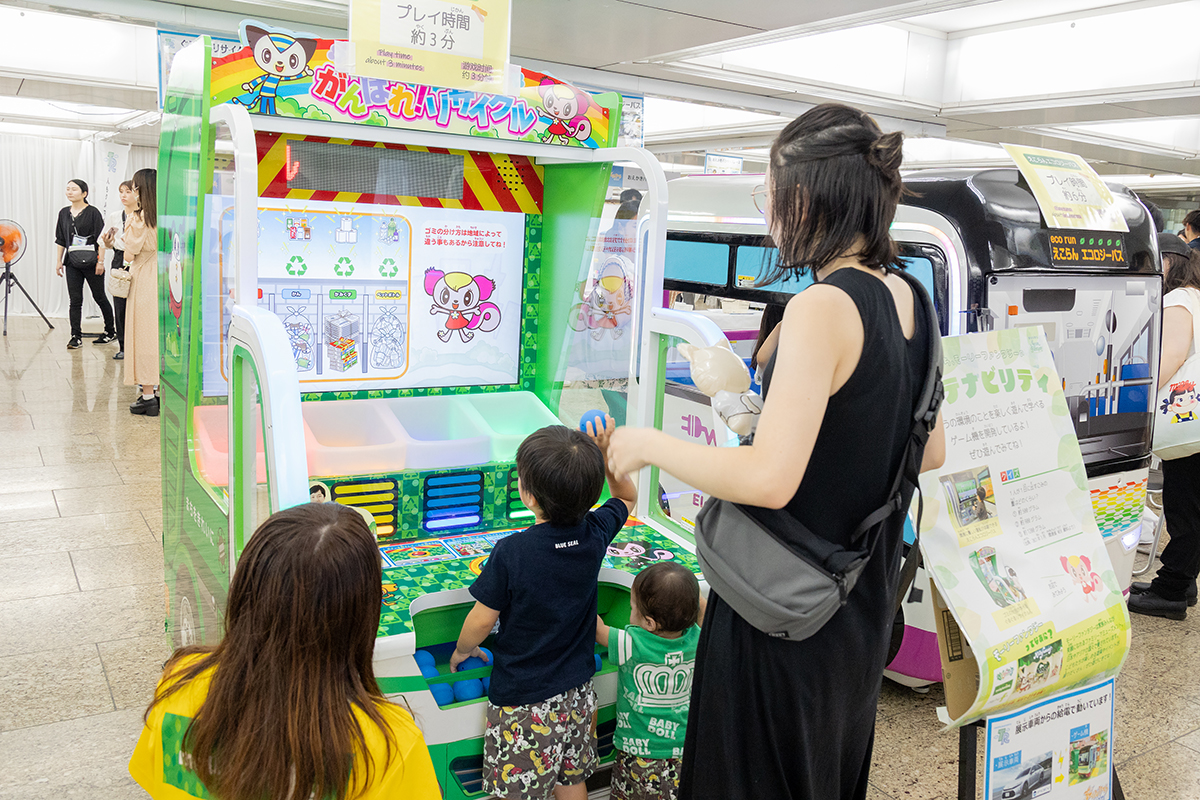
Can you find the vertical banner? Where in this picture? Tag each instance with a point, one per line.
(110, 166)
(454, 45)
(1059, 749)
(1028, 601)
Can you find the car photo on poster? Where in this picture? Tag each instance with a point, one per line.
(1033, 779)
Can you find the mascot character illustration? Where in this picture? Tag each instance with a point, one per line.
(461, 298)
(175, 276)
(567, 108)
(1181, 404)
(1080, 570)
(281, 58)
(609, 306)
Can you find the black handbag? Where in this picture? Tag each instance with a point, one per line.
(84, 260)
(781, 577)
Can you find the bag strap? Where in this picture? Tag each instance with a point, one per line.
(924, 417)
(925, 414)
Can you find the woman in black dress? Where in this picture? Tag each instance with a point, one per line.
(81, 259)
(773, 718)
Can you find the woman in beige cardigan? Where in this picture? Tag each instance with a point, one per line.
(141, 311)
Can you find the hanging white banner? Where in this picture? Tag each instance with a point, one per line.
(110, 166)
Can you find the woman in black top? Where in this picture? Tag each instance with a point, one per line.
(81, 255)
(773, 718)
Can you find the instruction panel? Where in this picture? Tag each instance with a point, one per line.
(383, 297)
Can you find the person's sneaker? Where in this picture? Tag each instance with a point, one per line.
(1141, 587)
(144, 406)
(75, 343)
(105, 338)
(120, 356)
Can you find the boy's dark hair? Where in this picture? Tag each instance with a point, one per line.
(564, 471)
(1192, 220)
(669, 594)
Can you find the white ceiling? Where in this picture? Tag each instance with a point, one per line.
(1118, 83)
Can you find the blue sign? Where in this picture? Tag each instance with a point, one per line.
(1005, 762)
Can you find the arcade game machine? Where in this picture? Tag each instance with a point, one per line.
(366, 299)
(978, 242)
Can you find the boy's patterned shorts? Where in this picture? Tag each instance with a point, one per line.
(637, 778)
(527, 750)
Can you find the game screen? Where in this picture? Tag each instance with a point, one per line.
(383, 297)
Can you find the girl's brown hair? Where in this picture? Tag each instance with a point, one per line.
(1182, 270)
(145, 181)
(300, 628)
(834, 177)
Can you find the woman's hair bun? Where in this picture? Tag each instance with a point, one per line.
(886, 154)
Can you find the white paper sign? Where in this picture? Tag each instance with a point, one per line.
(1059, 749)
(432, 25)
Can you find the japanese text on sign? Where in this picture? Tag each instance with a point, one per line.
(432, 25)
(360, 97)
(451, 235)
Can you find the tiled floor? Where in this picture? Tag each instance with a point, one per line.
(81, 570)
(81, 607)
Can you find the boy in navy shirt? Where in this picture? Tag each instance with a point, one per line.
(541, 585)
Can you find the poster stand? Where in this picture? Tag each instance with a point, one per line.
(968, 753)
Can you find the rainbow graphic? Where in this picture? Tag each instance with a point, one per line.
(1118, 507)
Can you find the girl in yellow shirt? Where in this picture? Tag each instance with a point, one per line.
(286, 706)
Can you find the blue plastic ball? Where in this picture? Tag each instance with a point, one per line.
(487, 684)
(471, 663)
(468, 690)
(426, 663)
(595, 416)
(599, 662)
(442, 693)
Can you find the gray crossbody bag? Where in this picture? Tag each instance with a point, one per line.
(781, 577)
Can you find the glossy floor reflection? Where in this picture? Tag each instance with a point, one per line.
(82, 607)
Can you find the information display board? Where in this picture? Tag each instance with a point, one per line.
(1032, 604)
(1058, 749)
(386, 297)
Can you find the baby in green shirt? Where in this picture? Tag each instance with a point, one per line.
(656, 655)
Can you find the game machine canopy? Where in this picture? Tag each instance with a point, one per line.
(370, 296)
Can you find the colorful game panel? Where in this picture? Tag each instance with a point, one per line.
(442, 565)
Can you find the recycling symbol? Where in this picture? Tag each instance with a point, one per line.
(389, 268)
(343, 267)
(296, 266)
